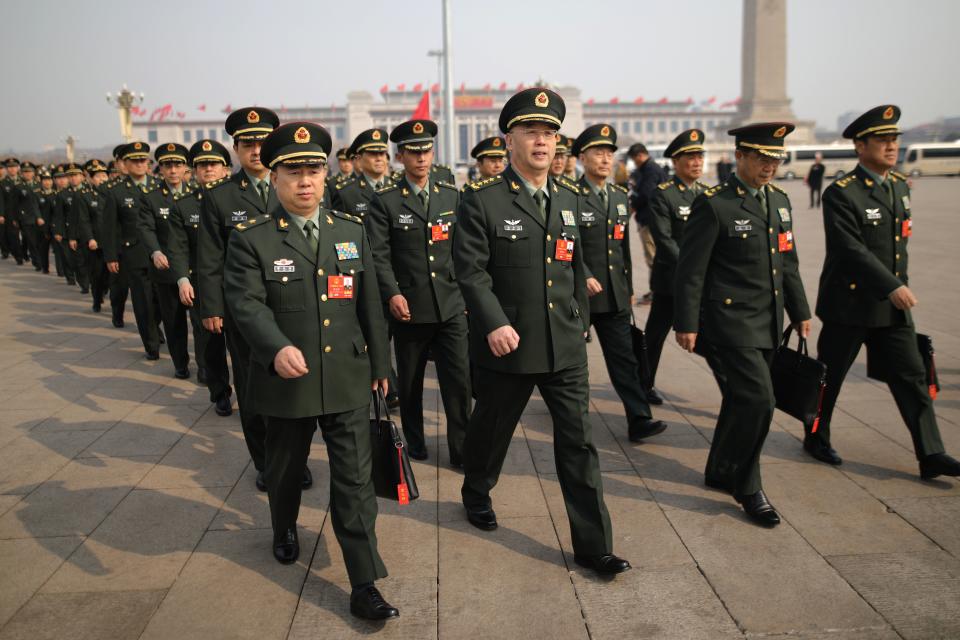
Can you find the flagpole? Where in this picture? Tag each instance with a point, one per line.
(448, 115)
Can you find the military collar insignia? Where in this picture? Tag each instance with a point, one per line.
(868, 182)
(405, 191)
(741, 192)
(329, 219)
(243, 183)
(514, 186)
(283, 223)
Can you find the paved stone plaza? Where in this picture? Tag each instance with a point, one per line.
(128, 507)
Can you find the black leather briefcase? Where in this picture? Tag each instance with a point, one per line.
(392, 474)
(799, 382)
(925, 346)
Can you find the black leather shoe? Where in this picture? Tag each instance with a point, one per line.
(938, 464)
(417, 454)
(181, 374)
(201, 375)
(653, 396)
(286, 547)
(759, 509)
(96, 307)
(644, 428)
(152, 355)
(606, 564)
(118, 323)
(820, 451)
(223, 407)
(261, 482)
(482, 518)
(84, 290)
(367, 603)
(456, 460)
(307, 481)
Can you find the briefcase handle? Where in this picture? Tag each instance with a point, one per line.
(785, 342)
(380, 404)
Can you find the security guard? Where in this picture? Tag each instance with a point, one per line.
(302, 287)
(371, 161)
(491, 156)
(225, 205)
(87, 212)
(412, 226)
(211, 164)
(520, 266)
(74, 259)
(738, 269)
(605, 247)
(559, 165)
(670, 208)
(864, 295)
(156, 232)
(126, 256)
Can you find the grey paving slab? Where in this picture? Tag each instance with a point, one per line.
(918, 593)
(30, 460)
(206, 458)
(937, 518)
(27, 563)
(84, 616)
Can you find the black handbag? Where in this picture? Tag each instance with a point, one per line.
(392, 474)
(639, 339)
(927, 354)
(799, 382)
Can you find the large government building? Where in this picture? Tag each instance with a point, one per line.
(476, 111)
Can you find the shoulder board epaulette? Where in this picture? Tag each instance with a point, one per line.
(715, 190)
(448, 185)
(486, 182)
(845, 180)
(252, 222)
(898, 175)
(619, 187)
(776, 188)
(663, 186)
(345, 183)
(387, 188)
(569, 184)
(347, 216)
(216, 183)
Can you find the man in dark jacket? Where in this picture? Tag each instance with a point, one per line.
(643, 184)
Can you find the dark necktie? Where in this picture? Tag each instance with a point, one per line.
(889, 189)
(762, 198)
(603, 198)
(424, 198)
(262, 188)
(541, 200)
(311, 239)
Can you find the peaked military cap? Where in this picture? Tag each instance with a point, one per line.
(765, 137)
(296, 143)
(251, 123)
(135, 151)
(112, 166)
(690, 141)
(28, 166)
(72, 168)
(533, 105)
(598, 135)
(59, 171)
(342, 153)
(94, 166)
(563, 144)
(495, 147)
(170, 152)
(416, 135)
(117, 149)
(44, 174)
(11, 162)
(370, 140)
(209, 151)
(879, 121)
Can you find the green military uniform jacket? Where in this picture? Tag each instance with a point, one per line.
(27, 205)
(355, 195)
(227, 203)
(60, 224)
(733, 270)
(278, 290)
(87, 211)
(505, 260)
(412, 249)
(156, 230)
(11, 194)
(670, 208)
(606, 246)
(185, 234)
(121, 220)
(45, 201)
(866, 250)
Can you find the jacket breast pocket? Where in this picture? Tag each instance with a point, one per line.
(747, 241)
(512, 248)
(407, 236)
(285, 291)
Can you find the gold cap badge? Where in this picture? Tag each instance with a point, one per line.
(302, 136)
(888, 113)
(137, 145)
(253, 117)
(206, 146)
(418, 127)
(375, 135)
(171, 147)
(694, 136)
(542, 100)
(779, 133)
(496, 142)
(605, 131)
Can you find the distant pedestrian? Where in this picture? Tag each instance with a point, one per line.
(814, 179)
(642, 184)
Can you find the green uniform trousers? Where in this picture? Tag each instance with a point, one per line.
(353, 501)
(254, 427)
(501, 398)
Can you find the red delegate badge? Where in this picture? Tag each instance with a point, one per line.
(618, 231)
(786, 241)
(907, 229)
(440, 232)
(340, 287)
(564, 250)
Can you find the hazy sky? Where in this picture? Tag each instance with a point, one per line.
(61, 57)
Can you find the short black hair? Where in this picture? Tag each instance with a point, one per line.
(636, 149)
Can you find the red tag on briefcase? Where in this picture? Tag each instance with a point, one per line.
(340, 287)
(618, 231)
(440, 232)
(907, 229)
(786, 241)
(564, 250)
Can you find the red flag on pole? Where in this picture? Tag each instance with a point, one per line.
(418, 87)
(662, 100)
(401, 87)
(384, 89)
(202, 107)
(435, 87)
(226, 109)
(503, 86)
(638, 100)
(486, 87)
(422, 112)
(614, 100)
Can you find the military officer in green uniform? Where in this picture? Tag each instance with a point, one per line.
(156, 232)
(211, 164)
(491, 156)
(59, 175)
(126, 256)
(412, 225)
(519, 262)
(737, 272)
(302, 288)
(87, 212)
(29, 213)
(864, 296)
(559, 164)
(9, 226)
(42, 195)
(605, 246)
(225, 205)
(372, 163)
(74, 258)
(670, 208)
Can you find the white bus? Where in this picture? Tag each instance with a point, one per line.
(838, 159)
(931, 159)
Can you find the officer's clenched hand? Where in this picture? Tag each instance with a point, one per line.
(186, 294)
(113, 267)
(92, 244)
(160, 261)
(902, 298)
(503, 340)
(399, 308)
(213, 325)
(40, 222)
(383, 383)
(289, 363)
(687, 341)
(73, 245)
(593, 286)
(803, 328)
